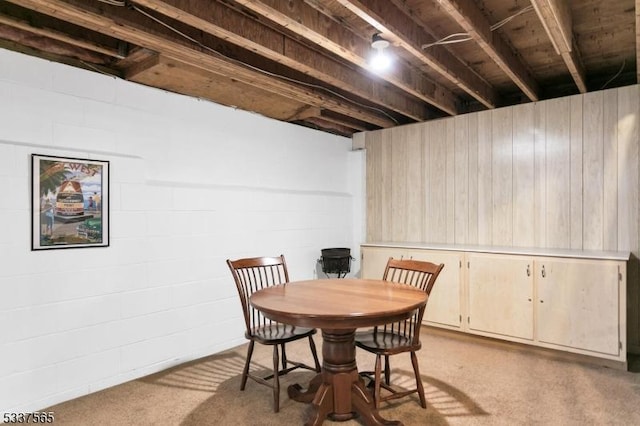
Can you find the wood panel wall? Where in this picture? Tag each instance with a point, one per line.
(562, 173)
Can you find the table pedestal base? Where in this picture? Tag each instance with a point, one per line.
(338, 392)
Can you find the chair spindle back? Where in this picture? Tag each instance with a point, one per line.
(254, 274)
(416, 273)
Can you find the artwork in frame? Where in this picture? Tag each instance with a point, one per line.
(69, 202)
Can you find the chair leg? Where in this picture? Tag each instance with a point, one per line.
(276, 380)
(387, 370)
(245, 372)
(377, 379)
(312, 345)
(416, 370)
(284, 357)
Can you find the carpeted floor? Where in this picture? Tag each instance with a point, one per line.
(468, 381)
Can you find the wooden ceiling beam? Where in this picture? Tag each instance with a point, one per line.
(311, 24)
(56, 35)
(304, 113)
(403, 31)
(136, 55)
(342, 120)
(469, 16)
(141, 66)
(79, 59)
(236, 28)
(556, 19)
(309, 114)
(331, 126)
(128, 25)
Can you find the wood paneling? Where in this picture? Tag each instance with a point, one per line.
(593, 171)
(540, 175)
(373, 146)
(502, 176)
(437, 192)
(523, 175)
(425, 134)
(629, 114)
(610, 175)
(449, 140)
(563, 173)
(575, 216)
(386, 185)
(485, 193)
(415, 187)
(558, 179)
(461, 179)
(472, 237)
(399, 209)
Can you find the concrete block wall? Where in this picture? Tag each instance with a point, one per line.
(192, 184)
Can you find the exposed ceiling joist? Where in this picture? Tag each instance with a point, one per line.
(126, 24)
(234, 27)
(309, 23)
(327, 124)
(402, 30)
(56, 35)
(308, 61)
(555, 16)
(467, 14)
(342, 120)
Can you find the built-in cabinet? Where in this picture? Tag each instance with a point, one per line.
(581, 304)
(566, 300)
(500, 292)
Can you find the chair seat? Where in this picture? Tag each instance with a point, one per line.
(385, 343)
(275, 334)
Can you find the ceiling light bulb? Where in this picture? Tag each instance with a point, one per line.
(380, 61)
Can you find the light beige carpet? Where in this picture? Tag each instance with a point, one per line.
(468, 381)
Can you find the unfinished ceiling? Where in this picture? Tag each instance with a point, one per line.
(307, 61)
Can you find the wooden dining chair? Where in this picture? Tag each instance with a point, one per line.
(402, 336)
(251, 275)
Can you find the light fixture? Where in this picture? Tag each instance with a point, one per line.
(380, 60)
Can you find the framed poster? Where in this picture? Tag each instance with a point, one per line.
(69, 202)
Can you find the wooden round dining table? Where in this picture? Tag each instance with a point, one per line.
(338, 307)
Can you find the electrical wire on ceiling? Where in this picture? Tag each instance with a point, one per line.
(260, 70)
(510, 18)
(114, 2)
(624, 62)
(450, 39)
(462, 37)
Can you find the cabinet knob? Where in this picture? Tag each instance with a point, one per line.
(544, 273)
(528, 271)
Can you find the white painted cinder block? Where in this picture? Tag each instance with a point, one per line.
(7, 157)
(192, 184)
(79, 83)
(24, 71)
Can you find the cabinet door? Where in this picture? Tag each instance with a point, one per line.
(374, 260)
(500, 295)
(578, 304)
(443, 307)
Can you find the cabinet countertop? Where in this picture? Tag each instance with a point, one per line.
(526, 251)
